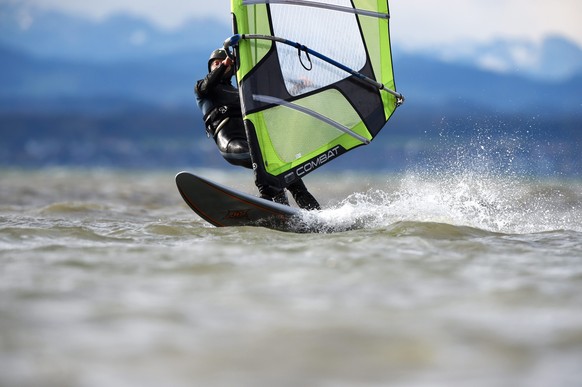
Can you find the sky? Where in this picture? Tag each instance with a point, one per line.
(415, 23)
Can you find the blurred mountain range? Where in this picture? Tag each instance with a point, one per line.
(553, 59)
(56, 66)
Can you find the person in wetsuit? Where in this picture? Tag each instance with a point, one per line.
(220, 104)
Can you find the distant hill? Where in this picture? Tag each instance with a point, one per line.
(168, 79)
(159, 81)
(553, 59)
(437, 83)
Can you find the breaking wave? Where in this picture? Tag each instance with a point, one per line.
(483, 184)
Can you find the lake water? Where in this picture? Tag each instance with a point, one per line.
(459, 278)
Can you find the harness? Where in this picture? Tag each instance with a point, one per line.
(218, 117)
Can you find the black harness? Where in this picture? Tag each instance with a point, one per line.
(218, 117)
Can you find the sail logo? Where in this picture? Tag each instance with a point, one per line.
(318, 161)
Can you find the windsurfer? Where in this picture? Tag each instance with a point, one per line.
(220, 104)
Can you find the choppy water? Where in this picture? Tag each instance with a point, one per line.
(454, 279)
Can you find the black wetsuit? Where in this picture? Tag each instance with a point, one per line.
(219, 102)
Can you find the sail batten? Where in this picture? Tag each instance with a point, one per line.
(311, 91)
(281, 102)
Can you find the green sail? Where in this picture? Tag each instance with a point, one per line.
(315, 78)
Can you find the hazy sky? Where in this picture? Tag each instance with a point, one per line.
(416, 23)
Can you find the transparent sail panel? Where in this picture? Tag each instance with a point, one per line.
(331, 33)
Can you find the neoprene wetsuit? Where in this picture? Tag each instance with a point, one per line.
(219, 102)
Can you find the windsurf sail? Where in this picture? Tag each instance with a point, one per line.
(315, 78)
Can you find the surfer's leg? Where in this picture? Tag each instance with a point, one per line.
(270, 192)
(302, 197)
(274, 194)
(280, 198)
(233, 147)
(236, 152)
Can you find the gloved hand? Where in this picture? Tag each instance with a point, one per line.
(227, 62)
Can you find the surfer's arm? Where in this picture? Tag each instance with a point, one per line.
(204, 86)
